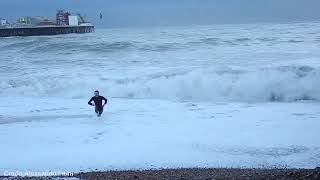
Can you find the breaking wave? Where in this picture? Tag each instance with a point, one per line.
(282, 84)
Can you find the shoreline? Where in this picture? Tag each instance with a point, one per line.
(191, 173)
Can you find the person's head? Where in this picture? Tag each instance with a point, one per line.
(96, 93)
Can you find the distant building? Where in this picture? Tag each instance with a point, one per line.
(62, 18)
(35, 21)
(73, 21)
(47, 23)
(3, 22)
(66, 18)
(24, 21)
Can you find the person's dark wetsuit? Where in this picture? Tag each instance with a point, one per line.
(98, 103)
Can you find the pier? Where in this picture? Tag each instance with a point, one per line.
(44, 31)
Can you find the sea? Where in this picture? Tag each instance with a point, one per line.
(234, 95)
(242, 63)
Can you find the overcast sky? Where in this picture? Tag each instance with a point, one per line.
(119, 13)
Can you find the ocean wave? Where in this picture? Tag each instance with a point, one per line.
(81, 47)
(59, 46)
(160, 47)
(19, 44)
(50, 46)
(282, 84)
(267, 39)
(212, 41)
(295, 41)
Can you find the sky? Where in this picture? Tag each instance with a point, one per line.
(127, 13)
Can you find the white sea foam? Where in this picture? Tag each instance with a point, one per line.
(286, 84)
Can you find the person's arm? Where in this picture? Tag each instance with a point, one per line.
(90, 102)
(105, 100)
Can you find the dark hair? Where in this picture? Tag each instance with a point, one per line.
(96, 91)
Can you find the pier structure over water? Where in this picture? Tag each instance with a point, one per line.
(44, 31)
(65, 23)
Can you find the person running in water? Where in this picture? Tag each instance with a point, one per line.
(97, 99)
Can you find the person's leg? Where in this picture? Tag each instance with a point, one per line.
(97, 110)
(100, 111)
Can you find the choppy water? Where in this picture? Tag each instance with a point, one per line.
(199, 96)
(245, 63)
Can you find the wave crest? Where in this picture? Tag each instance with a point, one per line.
(284, 84)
